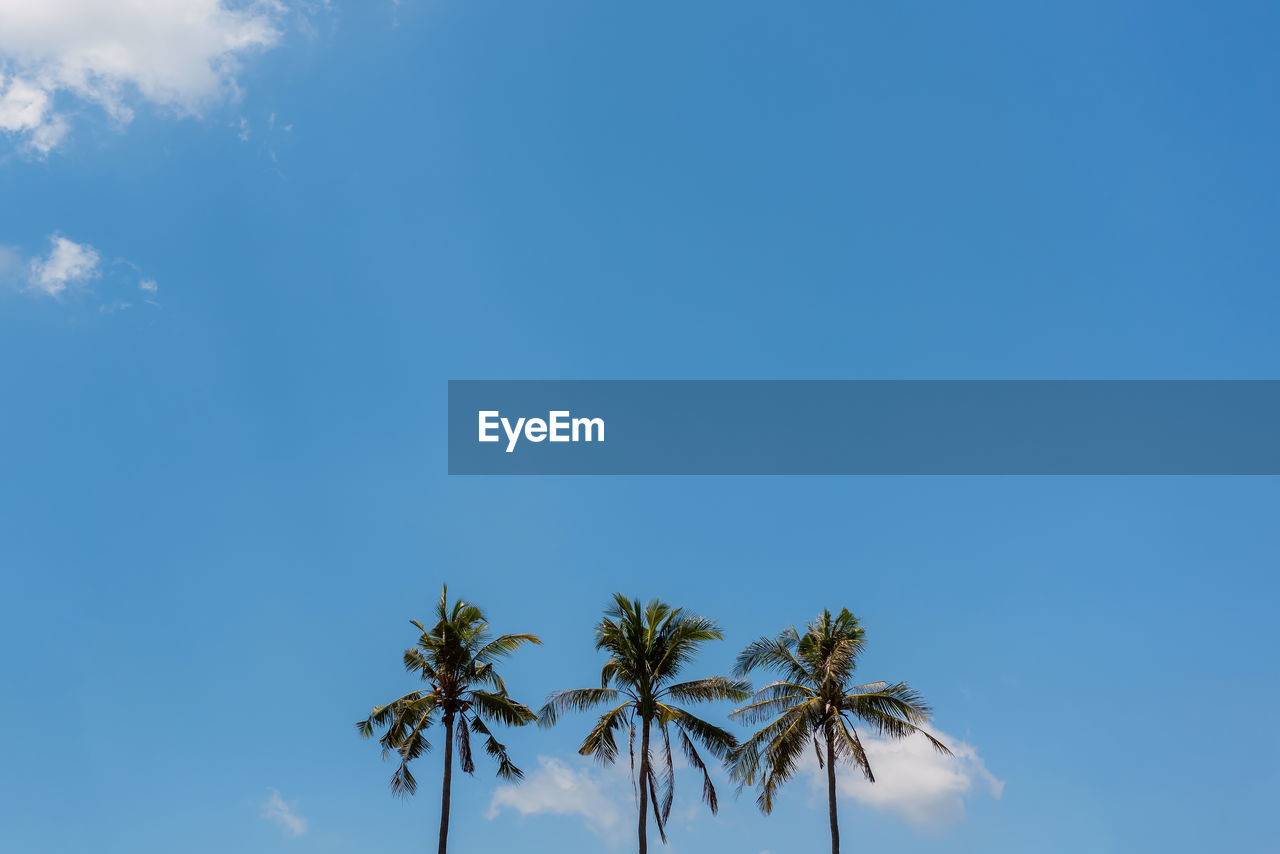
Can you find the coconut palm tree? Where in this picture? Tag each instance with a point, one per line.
(648, 646)
(457, 657)
(816, 700)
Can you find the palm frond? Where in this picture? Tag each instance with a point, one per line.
(382, 715)
(573, 700)
(815, 701)
(507, 769)
(456, 655)
(463, 739)
(601, 741)
(501, 708)
(896, 711)
(771, 700)
(777, 654)
(720, 742)
(691, 754)
(848, 746)
(710, 690)
(502, 646)
(653, 798)
(668, 774)
(781, 756)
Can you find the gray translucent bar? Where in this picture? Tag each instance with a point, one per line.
(869, 427)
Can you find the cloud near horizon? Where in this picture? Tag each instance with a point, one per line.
(596, 795)
(914, 782)
(180, 55)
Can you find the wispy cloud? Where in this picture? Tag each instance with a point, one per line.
(916, 783)
(596, 795)
(68, 269)
(180, 56)
(284, 813)
(603, 798)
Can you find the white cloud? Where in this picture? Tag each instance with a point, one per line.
(556, 788)
(284, 814)
(25, 109)
(67, 264)
(915, 782)
(69, 269)
(181, 55)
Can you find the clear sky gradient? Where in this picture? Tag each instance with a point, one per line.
(222, 499)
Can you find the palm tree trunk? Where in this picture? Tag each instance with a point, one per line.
(644, 786)
(448, 777)
(831, 792)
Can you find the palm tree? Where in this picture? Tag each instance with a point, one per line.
(457, 657)
(648, 646)
(815, 699)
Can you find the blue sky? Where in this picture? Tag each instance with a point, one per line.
(222, 495)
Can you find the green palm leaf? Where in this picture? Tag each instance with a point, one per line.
(456, 656)
(648, 646)
(816, 701)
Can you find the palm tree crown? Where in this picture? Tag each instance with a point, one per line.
(815, 700)
(457, 657)
(648, 646)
